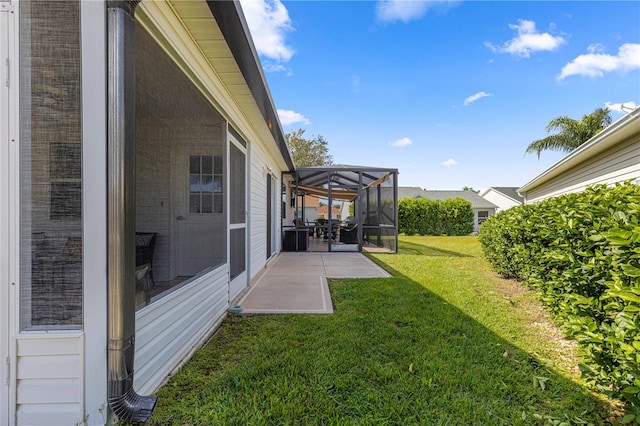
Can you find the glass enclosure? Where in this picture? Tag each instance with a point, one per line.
(50, 166)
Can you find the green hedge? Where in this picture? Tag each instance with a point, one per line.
(581, 252)
(453, 216)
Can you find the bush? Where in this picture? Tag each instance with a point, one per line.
(581, 252)
(434, 217)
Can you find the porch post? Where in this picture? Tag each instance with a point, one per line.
(121, 210)
(357, 210)
(330, 202)
(395, 207)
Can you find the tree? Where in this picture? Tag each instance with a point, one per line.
(470, 188)
(308, 152)
(571, 133)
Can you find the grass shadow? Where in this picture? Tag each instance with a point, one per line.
(394, 353)
(406, 247)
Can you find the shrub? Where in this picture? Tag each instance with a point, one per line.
(581, 252)
(433, 217)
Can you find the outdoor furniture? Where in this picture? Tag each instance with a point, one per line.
(289, 243)
(349, 234)
(143, 286)
(145, 245)
(334, 231)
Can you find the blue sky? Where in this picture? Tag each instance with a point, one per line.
(448, 92)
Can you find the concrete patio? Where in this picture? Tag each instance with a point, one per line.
(296, 282)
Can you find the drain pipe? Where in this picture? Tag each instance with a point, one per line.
(123, 400)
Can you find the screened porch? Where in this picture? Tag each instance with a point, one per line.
(361, 213)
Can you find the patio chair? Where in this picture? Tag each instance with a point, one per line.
(145, 245)
(349, 234)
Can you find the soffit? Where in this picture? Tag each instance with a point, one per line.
(197, 19)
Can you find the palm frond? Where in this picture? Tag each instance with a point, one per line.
(571, 133)
(550, 143)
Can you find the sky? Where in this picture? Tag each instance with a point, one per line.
(448, 92)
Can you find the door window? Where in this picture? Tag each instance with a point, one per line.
(205, 184)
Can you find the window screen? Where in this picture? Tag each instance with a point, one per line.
(50, 165)
(181, 173)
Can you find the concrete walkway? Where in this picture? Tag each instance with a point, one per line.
(297, 282)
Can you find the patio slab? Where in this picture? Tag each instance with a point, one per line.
(296, 282)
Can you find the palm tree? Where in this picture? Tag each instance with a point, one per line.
(571, 133)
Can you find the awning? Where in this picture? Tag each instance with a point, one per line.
(344, 180)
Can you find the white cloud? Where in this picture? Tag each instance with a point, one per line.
(408, 10)
(625, 107)
(528, 40)
(269, 21)
(471, 99)
(273, 67)
(449, 162)
(288, 117)
(402, 142)
(596, 48)
(596, 63)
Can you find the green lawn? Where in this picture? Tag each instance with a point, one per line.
(444, 341)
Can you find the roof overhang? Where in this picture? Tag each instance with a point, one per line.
(211, 41)
(621, 130)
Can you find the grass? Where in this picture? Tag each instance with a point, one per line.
(444, 341)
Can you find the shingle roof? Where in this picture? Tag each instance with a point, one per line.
(509, 191)
(477, 202)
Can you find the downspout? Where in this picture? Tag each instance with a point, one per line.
(123, 400)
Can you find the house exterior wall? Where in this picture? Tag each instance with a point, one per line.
(61, 377)
(169, 330)
(503, 202)
(47, 376)
(207, 298)
(476, 220)
(49, 379)
(617, 164)
(261, 163)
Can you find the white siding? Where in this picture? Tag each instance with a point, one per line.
(49, 379)
(502, 201)
(259, 165)
(169, 330)
(94, 141)
(258, 237)
(476, 225)
(620, 163)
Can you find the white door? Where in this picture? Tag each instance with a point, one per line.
(7, 63)
(237, 217)
(197, 209)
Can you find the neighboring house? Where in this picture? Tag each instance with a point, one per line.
(504, 197)
(611, 156)
(482, 208)
(323, 213)
(119, 118)
(311, 204)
